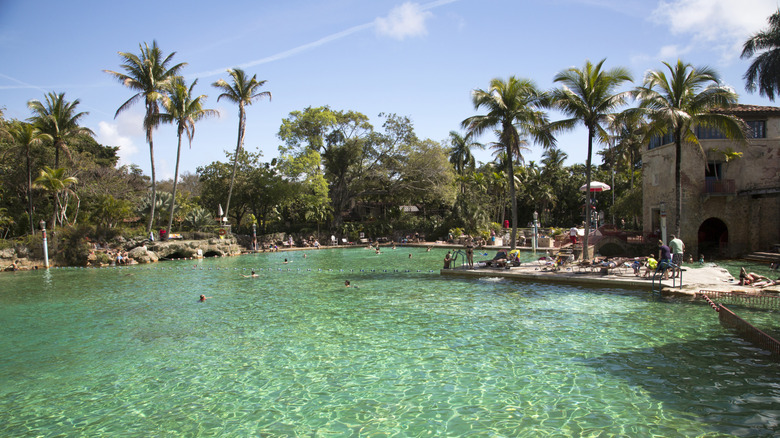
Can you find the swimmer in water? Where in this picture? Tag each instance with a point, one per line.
(203, 298)
(347, 284)
(250, 275)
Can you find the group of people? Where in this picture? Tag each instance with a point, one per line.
(670, 258)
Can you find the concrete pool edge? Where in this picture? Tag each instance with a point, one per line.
(694, 280)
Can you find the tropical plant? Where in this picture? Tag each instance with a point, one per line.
(514, 108)
(198, 218)
(681, 101)
(460, 152)
(58, 118)
(242, 91)
(764, 72)
(588, 96)
(55, 182)
(26, 136)
(182, 109)
(148, 74)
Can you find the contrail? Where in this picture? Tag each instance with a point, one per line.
(307, 46)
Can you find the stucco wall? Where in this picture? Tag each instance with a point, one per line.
(752, 218)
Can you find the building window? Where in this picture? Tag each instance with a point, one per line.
(714, 170)
(660, 140)
(756, 128)
(708, 133)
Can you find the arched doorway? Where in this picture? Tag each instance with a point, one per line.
(713, 238)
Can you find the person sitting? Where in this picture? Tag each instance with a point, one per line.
(636, 265)
(650, 264)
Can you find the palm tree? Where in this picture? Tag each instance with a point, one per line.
(513, 106)
(26, 136)
(764, 71)
(460, 152)
(183, 109)
(148, 74)
(55, 182)
(682, 101)
(58, 118)
(588, 95)
(243, 91)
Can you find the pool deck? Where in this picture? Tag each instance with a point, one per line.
(711, 278)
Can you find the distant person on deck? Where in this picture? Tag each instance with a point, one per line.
(678, 248)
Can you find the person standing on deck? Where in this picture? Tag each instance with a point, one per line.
(677, 247)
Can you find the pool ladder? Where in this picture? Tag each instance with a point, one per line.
(659, 273)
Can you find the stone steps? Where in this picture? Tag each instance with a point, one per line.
(766, 257)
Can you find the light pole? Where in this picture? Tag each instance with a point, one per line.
(662, 212)
(536, 230)
(45, 245)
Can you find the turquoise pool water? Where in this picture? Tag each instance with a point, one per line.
(130, 352)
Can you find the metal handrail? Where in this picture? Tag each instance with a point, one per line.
(660, 271)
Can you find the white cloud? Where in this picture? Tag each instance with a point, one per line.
(121, 133)
(407, 20)
(671, 52)
(720, 25)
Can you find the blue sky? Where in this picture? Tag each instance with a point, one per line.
(417, 59)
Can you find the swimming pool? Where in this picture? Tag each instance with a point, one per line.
(404, 352)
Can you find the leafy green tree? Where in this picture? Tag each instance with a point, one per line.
(148, 74)
(242, 91)
(514, 107)
(764, 72)
(108, 211)
(57, 183)
(588, 96)
(345, 143)
(58, 118)
(681, 101)
(26, 136)
(183, 109)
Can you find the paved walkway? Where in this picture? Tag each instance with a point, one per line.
(693, 279)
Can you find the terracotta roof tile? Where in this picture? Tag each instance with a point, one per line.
(750, 109)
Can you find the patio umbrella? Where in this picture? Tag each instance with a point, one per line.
(222, 214)
(595, 186)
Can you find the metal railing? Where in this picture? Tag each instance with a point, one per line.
(719, 186)
(750, 300)
(746, 330)
(659, 272)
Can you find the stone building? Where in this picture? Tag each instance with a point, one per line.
(730, 204)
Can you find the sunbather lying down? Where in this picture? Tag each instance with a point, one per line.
(746, 278)
(502, 260)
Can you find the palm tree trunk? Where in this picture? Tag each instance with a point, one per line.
(585, 255)
(241, 129)
(677, 181)
(175, 183)
(29, 194)
(154, 182)
(513, 195)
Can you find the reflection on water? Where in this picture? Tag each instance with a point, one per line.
(404, 352)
